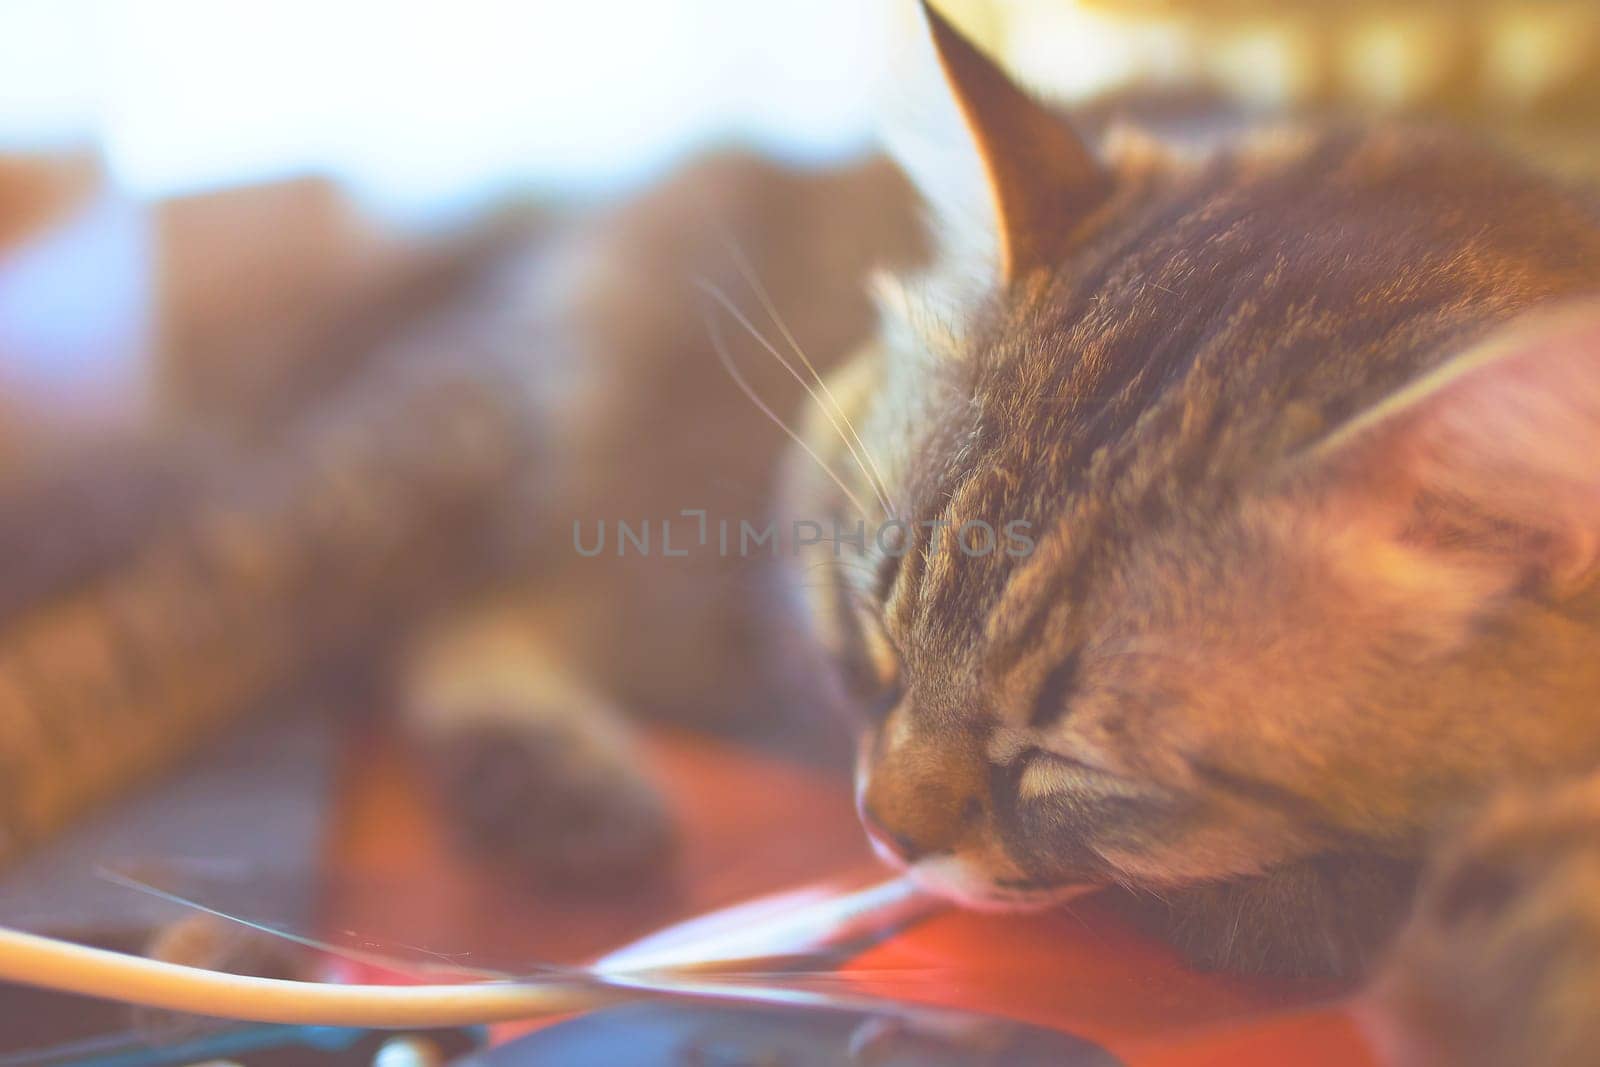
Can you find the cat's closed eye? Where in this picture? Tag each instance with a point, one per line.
(1040, 772)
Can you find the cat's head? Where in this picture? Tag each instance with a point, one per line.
(1246, 508)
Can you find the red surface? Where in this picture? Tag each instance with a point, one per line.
(755, 826)
(1085, 972)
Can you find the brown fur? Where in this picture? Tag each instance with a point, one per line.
(1307, 443)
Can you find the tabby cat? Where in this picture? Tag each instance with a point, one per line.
(1306, 429)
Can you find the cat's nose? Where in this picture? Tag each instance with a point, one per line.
(923, 796)
(924, 824)
(899, 846)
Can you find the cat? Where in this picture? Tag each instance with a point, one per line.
(1306, 429)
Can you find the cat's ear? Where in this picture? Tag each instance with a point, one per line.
(999, 167)
(1487, 470)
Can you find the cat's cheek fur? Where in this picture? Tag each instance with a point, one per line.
(1430, 605)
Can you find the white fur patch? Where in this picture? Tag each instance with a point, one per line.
(957, 879)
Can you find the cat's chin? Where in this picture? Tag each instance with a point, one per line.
(955, 880)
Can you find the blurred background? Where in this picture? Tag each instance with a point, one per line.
(419, 115)
(228, 229)
(415, 118)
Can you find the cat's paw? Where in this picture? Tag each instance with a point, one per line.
(537, 770)
(1500, 963)
(536, 798)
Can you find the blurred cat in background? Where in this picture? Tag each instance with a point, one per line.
(377, 492)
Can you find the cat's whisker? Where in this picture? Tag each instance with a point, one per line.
(850, 565)
(841, 563)
(875, 474)
(732, 309)
(856, 594)
(728, 365)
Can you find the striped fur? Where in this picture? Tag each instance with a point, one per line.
(1244, 651)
